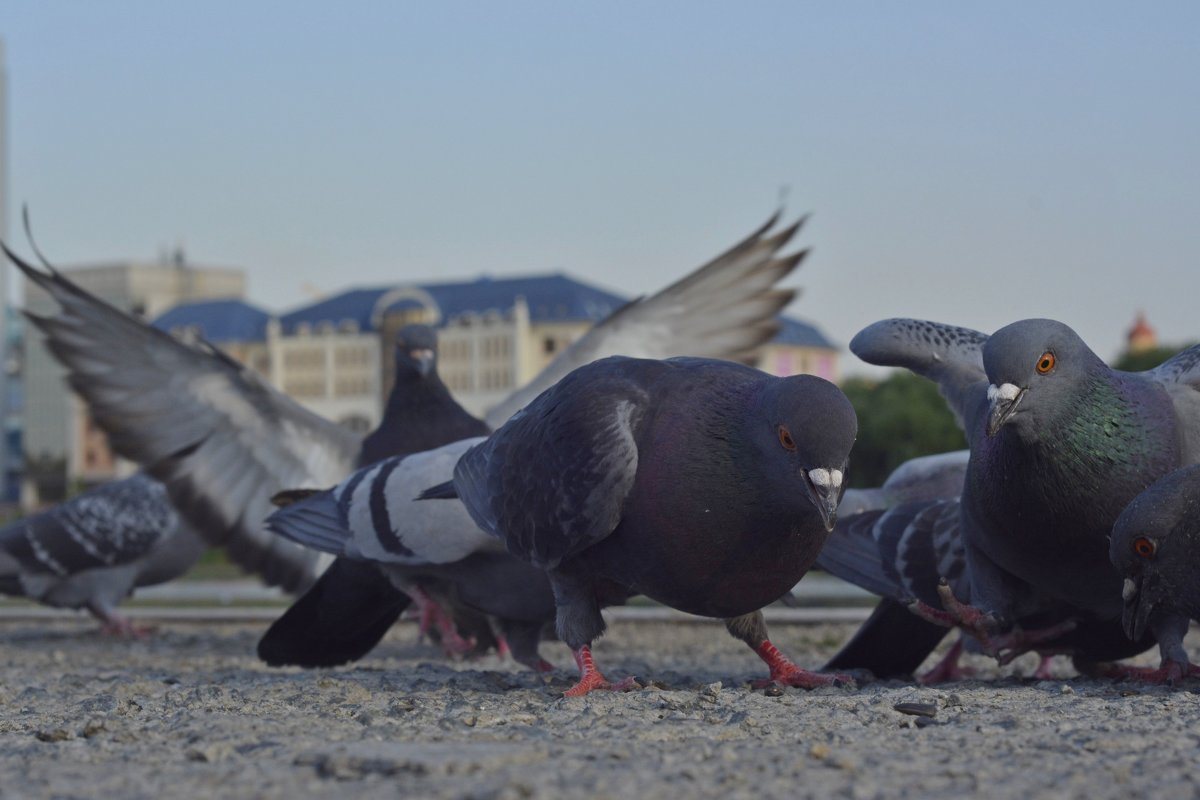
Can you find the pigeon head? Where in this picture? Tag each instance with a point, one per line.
(1155, 545)
(416, 350)
(1036, 367)
(804, 428)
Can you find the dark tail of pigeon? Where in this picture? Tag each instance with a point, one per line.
(443, 491)
(340, 619)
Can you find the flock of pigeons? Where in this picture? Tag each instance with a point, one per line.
(647, 459)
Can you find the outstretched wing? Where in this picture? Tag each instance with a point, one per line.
(946, 354)
(220, 438)
(725, 309)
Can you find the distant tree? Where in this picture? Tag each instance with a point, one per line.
(1136, 361)
(899, 418)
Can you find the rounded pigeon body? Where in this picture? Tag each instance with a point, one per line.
(1060, 443)
(93, 550)
(1156, 548)
(705, 485)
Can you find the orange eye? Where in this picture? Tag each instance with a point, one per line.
(785, 438)
(1144, 546)
(1045, 363)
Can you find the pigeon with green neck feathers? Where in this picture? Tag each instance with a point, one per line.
(1060, 444)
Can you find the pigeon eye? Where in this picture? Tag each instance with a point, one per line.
(1144, 546)
(785, 438)
(1045, 363)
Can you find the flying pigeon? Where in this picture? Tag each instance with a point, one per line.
(1060, 443)
(224, 441)
(93, 550)
(1156, 548)
(373, 518)
(705, 485)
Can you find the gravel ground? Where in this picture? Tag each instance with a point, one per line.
(191, 713)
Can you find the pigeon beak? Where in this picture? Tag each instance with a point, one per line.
(1138, 608)
(1004, 400)
(825, 492)
(424, 359)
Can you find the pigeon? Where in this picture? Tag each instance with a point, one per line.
(353, 605)
(1155, 547)
(893, 642)
(705, 485)
(224, 441)
(1060, 443)
(373, 518)
(93, 550)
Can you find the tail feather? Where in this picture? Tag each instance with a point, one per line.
(893, 642)
(340, 619)
(313, 521)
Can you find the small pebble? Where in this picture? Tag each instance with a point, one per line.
(917, 709)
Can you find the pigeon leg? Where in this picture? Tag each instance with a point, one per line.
(590, 678)
(752, 629)
(1174, 663)
(1043, 671)
(948, 668)
(432, 615)
(1004, 647)
(520, 640)
(115, 624)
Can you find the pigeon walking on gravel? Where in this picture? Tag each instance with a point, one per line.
(707, 486)
(93, 550)
(1060, 444)
(1156, 548)
(373, 518)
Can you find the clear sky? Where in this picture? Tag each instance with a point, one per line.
(968, 162)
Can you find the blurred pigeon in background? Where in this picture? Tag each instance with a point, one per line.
(1156, 548)
(705, 485)
(93, 550)
(1060, 443)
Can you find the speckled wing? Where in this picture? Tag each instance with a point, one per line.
(1180, 374)
(554, 480)
(946, 354)
(724, 309)
(114, 524)
(221, 439)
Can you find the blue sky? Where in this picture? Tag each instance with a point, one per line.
(973, 163)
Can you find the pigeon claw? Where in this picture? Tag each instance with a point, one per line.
(590, 678)
(123, 628)
(947, 669)
(786, 673)
(1004, 647)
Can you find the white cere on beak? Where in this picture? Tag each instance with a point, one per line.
(1129, 589)
(835, 476)
(1005, 391)
(821, 477)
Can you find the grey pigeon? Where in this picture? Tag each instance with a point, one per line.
(224, 441)
(352, 605)
(373, 518)
(93, 550)
(705, 485)
(1156, 548)
(1060, 443)
(897, 541)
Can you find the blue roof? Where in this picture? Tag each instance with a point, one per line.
(551, 298)
(801, 334)
(218, 321)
